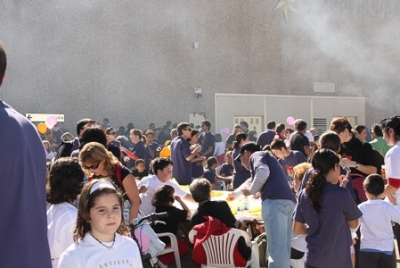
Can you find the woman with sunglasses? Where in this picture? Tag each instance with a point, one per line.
(98, 162)
(231, 138)
(111, 135)
(113, 145)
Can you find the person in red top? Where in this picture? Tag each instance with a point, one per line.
(213, 226)
(280, 132)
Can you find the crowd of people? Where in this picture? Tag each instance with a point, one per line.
(327, 200)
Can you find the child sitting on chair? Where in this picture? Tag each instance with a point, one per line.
(163, 201)
(201, 193)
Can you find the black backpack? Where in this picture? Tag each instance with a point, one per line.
(65, 149)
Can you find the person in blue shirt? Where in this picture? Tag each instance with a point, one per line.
(278, 201)
(181, 155)
(207, 139)
(23, 229)
(325, 213)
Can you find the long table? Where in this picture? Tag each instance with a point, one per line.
(237, 205)
(254, 212)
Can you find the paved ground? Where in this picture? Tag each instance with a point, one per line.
(396, 250)
(186, 262)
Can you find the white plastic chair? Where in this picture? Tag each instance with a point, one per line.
(173, 248)
(219, 249)
(221, 184)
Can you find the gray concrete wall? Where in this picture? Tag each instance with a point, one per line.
(134, 61)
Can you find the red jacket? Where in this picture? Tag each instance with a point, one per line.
(212, 226)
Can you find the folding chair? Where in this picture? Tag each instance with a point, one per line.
(173, 248)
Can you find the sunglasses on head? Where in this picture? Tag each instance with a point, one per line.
(95, 166)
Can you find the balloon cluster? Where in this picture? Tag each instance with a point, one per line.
(51, 121)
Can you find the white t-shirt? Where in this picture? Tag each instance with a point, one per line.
(299, 242)
(392, 160)
(49, 155)
(153, 183)
(61, 220)
(309, 136)
(219, 148)
(90, 253)
(376, 226)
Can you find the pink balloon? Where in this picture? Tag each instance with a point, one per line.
(290, 120)
(225, 131)
(51, 120)
(143, 239)
(48, 125)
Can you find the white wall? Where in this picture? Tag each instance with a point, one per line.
(279, 108)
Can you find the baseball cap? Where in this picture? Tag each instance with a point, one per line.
(248, 146)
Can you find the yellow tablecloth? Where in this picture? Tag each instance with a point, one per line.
(254, 205)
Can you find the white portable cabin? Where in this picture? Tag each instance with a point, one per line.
(258, 109)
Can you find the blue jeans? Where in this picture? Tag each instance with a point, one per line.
(278, 221)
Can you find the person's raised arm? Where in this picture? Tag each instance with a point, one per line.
(133, 195)
(184, 206)
(188, 197)
(194, 153)
(223, 178)
(129, 153)
(367, 169)
(183, 194)
(198, 159)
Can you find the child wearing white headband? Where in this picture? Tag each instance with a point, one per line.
(100, 233)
